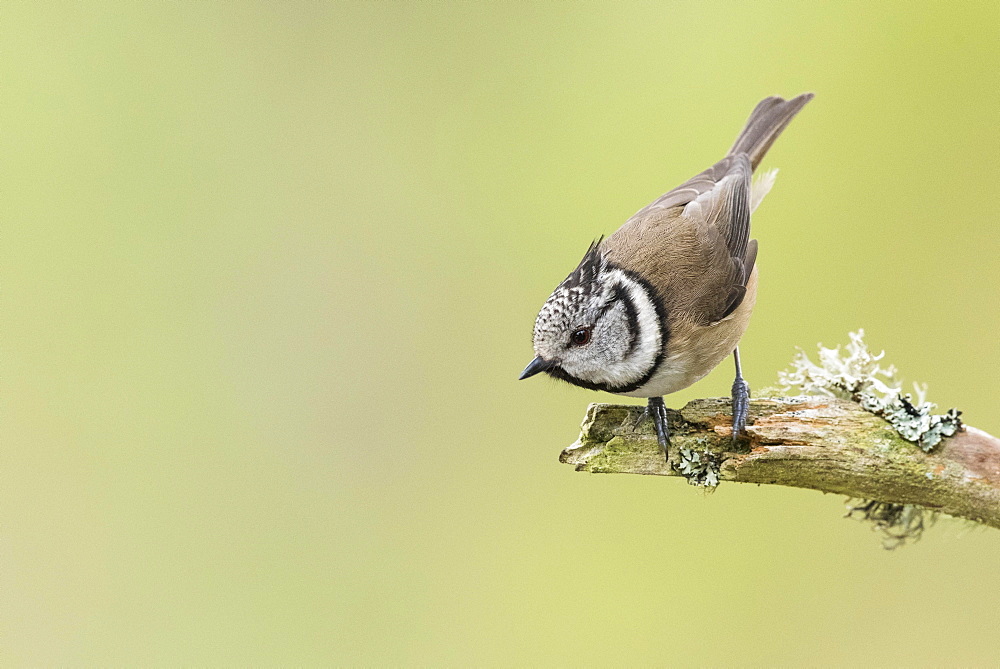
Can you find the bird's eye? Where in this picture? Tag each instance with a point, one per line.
(580, 337)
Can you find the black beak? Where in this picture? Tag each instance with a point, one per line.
(539, 364)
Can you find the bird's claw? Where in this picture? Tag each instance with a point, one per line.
(641, 419)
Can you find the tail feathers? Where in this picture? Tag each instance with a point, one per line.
(766, 122)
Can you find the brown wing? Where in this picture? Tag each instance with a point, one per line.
(695, 250)
(693, 243)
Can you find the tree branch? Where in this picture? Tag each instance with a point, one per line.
(813, 442)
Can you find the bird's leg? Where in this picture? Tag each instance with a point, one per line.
(658, 410)
(741, 399)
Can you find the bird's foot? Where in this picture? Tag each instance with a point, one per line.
(657, 410)
(741, 407)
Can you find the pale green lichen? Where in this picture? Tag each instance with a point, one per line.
(857, 374)
(896, 524)
(700, 468)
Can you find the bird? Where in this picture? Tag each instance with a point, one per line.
(658, 304)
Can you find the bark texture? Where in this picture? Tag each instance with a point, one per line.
(813, 442)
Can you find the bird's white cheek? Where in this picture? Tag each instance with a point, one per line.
(627, 344)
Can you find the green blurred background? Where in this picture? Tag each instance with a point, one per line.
(269, 273)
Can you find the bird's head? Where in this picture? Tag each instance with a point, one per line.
(602, 328)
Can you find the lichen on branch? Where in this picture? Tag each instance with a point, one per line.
(700, 468)
(896, 524)
(856, 373)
